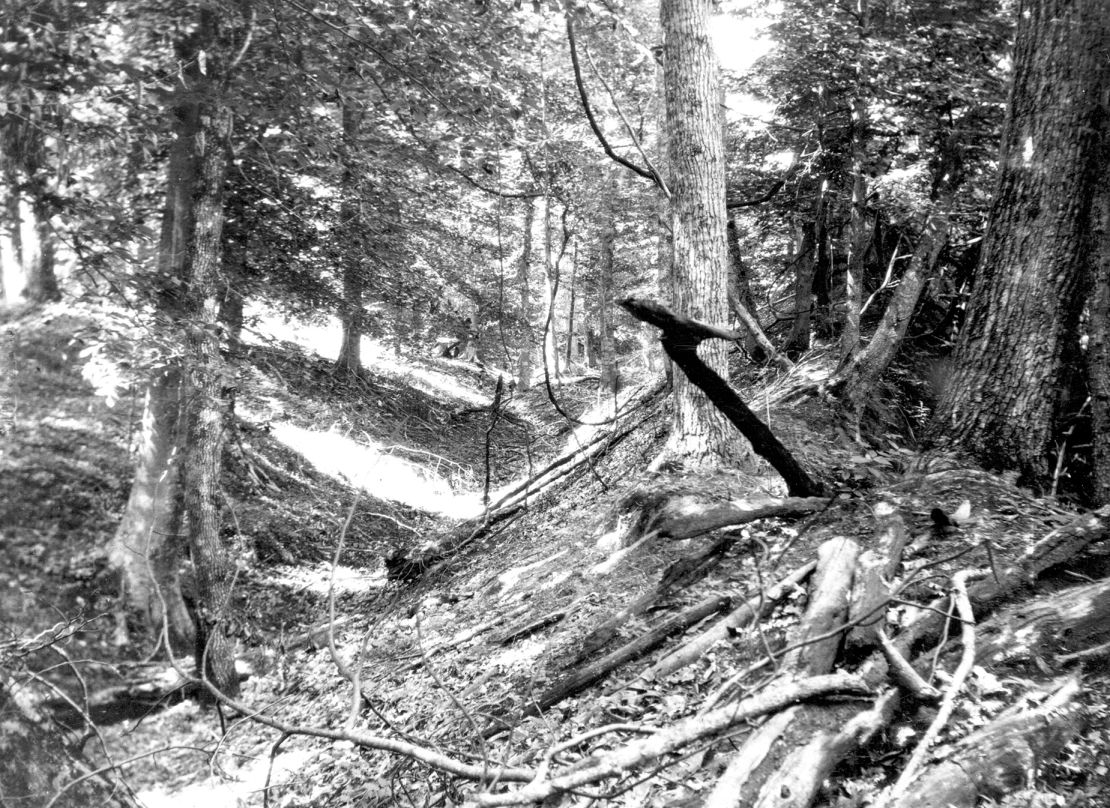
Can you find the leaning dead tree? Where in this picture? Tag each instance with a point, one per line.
(680, 339)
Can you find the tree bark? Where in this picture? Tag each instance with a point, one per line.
(146, 547)
(205, 410)
(700, 435)
(1022, 323)
(1098, 338)
(353, 268)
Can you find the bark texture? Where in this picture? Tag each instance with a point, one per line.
(205, 384)
(697, 182)
(146, 546)
(1024, 312)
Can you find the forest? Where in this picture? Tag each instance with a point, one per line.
(567, 402)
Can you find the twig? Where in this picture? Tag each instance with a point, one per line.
(948, 704)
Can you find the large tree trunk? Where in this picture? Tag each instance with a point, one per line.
(147, 546)
(700, 435)
(1002, 401)
(353, 261)
(205, 410)
(524, 289)
(1098, 342)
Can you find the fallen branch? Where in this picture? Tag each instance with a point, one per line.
(626, 653)
(680, 734)
(1002, 756)
(756, 606)
(798, 779)
(948, 703)
(680, 340)
(682, 572)
(688, 516)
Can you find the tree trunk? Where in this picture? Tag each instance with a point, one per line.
(146, 548)
(1098, 340)
(806, 257)
(524, 289)
(856, 385)
(14, 228)
(700, 434)
(1009, 365)
(205, 386)
(147, 545)
(607, 384)
(39, 255)
(354, 280)
(550, 355)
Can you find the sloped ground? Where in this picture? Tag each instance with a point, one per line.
(485, 635)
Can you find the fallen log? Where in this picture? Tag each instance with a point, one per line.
(687, 516)
(873, 576)
(817, 644)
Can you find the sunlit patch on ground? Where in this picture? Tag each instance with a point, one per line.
(244, 783)
(324, 339)
(324, 578)
(383, 475)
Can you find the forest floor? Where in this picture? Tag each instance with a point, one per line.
(402, 455)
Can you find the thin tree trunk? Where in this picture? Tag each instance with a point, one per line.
(1009, 367)
(607, 384)
(859, 378)
(806, 258)
(524, 289)
(550, 354)
(205, 411)
(700, 435)
(353, 271)
(571, 324)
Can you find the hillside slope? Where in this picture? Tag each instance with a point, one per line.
(539, 642)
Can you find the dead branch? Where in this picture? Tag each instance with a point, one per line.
(681, 573)
(688, 516)
(635, 649)
(995, 760)
(727, 792)
(754, 607)
(680, 340)
(877, 566)
(678, 735)
(948, 704)
(797, 780)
